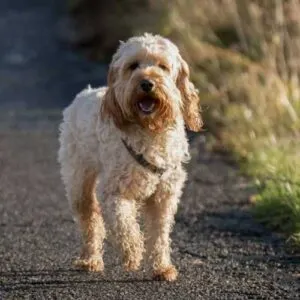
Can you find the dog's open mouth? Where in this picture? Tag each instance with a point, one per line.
(147, 105)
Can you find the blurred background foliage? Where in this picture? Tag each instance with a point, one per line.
(245, 59)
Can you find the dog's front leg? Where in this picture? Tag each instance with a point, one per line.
(159, 217)
(127, 232)
(160, 212)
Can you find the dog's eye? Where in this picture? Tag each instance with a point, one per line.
(134, 66)
(163, 67)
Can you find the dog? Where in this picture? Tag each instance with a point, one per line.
(131, 134)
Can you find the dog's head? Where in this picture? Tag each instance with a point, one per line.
(149, 85)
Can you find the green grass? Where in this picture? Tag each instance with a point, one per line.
(278, 206)
(277, 173)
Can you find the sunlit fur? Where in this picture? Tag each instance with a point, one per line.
(173, 89)
(190, 99)
(91, 147)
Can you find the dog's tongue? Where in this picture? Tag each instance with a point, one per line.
(147, 105)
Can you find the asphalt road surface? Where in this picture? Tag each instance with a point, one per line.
(221, 252)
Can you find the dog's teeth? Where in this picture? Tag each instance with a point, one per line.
(146, 108)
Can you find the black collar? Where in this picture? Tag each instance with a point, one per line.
(142, 161)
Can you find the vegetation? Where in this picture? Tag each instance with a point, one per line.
(245, 58)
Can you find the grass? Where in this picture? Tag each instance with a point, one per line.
(245, 58)
(277, 173)
(278, 206)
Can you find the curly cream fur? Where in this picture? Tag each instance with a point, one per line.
(91, 146)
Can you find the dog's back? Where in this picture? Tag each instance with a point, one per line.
(83, 112)
(77, 131)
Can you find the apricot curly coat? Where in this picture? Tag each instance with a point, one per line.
(91, 146)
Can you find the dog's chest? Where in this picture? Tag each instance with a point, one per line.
(138, 184)
(125, 176)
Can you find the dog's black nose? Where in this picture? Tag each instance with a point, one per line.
(147, 85)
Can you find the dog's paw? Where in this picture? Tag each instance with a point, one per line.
(131, 265)
(132, 259)
(166, 274)
(90, 264)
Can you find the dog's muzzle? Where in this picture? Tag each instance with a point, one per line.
(147, 102)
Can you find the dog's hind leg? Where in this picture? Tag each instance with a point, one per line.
(80, 187)
(91, 223)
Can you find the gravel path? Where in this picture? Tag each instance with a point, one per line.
(222, 253)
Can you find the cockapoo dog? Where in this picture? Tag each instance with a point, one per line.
(132, 135)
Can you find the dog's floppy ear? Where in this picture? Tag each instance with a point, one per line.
(110, 107)
(191, 102)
